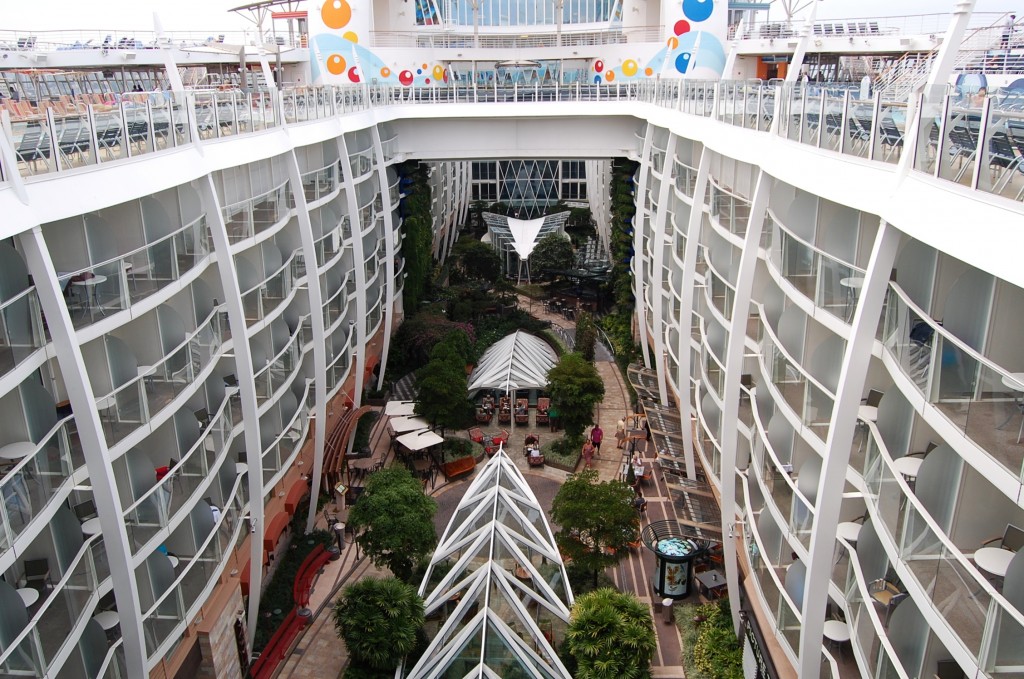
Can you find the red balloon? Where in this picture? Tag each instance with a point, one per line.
(682, 26)
(598, 65)
(353, 74)
(405, 77)
(446, 75)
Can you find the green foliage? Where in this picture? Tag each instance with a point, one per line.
(363, 429)
(455, 447)
(553, 252)
(565, 451)
(278, 594)
(611, 636)
(575, 387)
(586, 335)
(416, 338)
(582, 581)
(442, 387)
(597, 521)
(394, 521)
(379, 619)
(418, 230)
(476, 260)
(710, 647)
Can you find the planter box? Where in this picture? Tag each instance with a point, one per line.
(552, 462)
(459, 467)
(379, 401)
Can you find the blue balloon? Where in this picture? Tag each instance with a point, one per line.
(683, 62)
(698, 10)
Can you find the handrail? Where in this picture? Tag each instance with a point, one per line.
(796, 364)
(15, 644)
(343, 352)
(13, 471)
(12, 300)
(909, 496)
(288, 427)
(66, 275)
(803, 242)
(278, 270)
(287, 346)
(185, 343)
(252, 199)
(309, 173)
(198, 445)
(783, 594)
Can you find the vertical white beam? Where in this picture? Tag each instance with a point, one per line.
(639, 258)
(94, 448)
(359, 271)
(659, 293)
(852, 376)
(806, 35)
(733, 368)
(390, 231)
(693, 229)
(316, 319)
(942, 66)
(246, 391)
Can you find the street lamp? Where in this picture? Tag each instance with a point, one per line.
(339, 534)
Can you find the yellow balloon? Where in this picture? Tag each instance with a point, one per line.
(350, 36)
(629, 68)
(438, 72)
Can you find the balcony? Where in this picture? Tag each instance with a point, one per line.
(177, 491)
(249, 217)
(228, 114)
(360, 162)
(286, 445)
(319, 184)
(115, 284)
(279, 370)
(134, 403)
(22, 330)
(261, 300)
(810, 402)
(731, 210)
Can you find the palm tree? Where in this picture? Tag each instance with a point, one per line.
(380, 620)
(611, 636)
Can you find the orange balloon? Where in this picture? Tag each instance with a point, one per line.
(673, 42)
(648, 72)
(336, 13)
(609, 76)
(385, 72)
(336, 64)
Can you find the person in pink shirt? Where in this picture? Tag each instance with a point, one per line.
(596, 435)
(588, 454)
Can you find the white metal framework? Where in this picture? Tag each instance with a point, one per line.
(501, 599)
(517, 361)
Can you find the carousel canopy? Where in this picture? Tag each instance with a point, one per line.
(502, 596)
(517, 361)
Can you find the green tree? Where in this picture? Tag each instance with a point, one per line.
(611, 636)
(586, 335)
(394, 520)
(553, 251)
(442, 388)
(380, 620)
(418, 231)
(575, 388)
(476, 259)
(597, 521)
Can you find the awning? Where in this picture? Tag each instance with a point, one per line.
(419, 440)
(402, 425)
(400, 408)
(295, 494)
(276, 526)
(517, 361)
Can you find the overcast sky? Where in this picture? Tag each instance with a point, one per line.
(210, 16)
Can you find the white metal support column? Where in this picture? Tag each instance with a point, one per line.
(640, 283)
(852, 376)
(733, 369)
(246, 392)
(693, 229)
(806, 35)
(358, 271)
(94, 448)
(659, 293)
(316, 320)
(390, 231)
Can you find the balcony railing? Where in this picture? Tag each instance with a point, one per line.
(317, 184)
(161, 505)
(831, 283)
(226, 114)
(336, 307)
(279, 454)
(33, 483)
(248, 217)
(115, 284)
(975, 395)
(22, 331)
(35, 648)
(134, 403)
(730, 209)
(262, 299)
(280, 369)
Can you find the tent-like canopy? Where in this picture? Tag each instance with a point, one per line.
(502, 598)
(515, 239)
(517, 361)
(418, 440)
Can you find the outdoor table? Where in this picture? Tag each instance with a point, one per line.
(29, 595)
(994, 560)
(711, 581)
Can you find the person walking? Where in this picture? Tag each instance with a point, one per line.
(596, 436)
(620, 432)
(588, 454)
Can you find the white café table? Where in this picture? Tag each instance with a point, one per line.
(91, 527)
(908, 466)
(17, 450)
(853, 284)
(994, 560)
(90, 291)
(849, 531)
(837, 631)
(108, 620)
(28, 595)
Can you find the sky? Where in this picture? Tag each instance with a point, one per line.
(121, 17)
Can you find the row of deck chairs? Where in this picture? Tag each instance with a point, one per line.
(74, 138)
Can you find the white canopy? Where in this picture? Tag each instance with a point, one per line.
(401, 425)
(400, 408)
(517, 361)
(418, 440)
(524, 235)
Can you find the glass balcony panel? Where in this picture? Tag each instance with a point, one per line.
(26, 658)
(28, 488)
(318, 184)
(246, 218)
(1005, 652)
(832, 130)
(21, 329)
(891, 125)
(860, 119)
(817, 413)
(788, 622)
(959, 146)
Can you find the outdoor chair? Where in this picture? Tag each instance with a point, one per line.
(476, 435)
(522, 411)
(888, 594)
(1011, 540)
(543, 404)
(37, 574)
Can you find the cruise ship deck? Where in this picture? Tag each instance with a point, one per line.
(202, 266)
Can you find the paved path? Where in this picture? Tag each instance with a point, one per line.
(320, 653)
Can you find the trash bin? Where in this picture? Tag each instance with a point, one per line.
(666, 606)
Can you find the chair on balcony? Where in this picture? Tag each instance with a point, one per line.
(37, 574)
(1012, 539)
(887, 593)
(85, 510)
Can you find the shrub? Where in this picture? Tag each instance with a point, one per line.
(710, 647)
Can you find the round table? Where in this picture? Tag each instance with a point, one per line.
(16, 451)
(849, 531)
(173, 560)
(28, 595)
(90, 291)
(91, 527)
(908, 466)
(836, 630)
(994, 560)
(867, 413)
(107, 619)
(241, 467)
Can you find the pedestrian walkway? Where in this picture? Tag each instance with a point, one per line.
(320, 653)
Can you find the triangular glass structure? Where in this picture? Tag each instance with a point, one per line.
(514, 239)
(516, 361)
(496, 593)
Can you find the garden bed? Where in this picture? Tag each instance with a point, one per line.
(562, 454)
